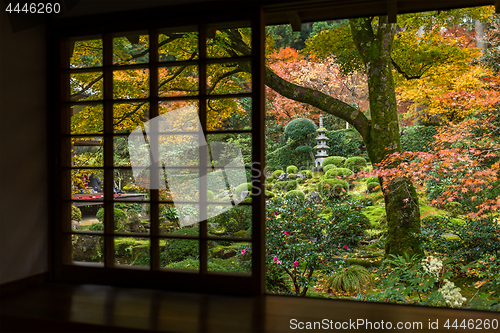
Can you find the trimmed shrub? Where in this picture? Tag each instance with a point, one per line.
(285, 185)
(180, 249)
(332, 187)
(96, 226)
(300, 181)
(292, 169)
(356, 163)
(338, 172)
(344, 142)
(291, 176)
(307, 172)
(210, 195)
(76, 213)
(338, 161)
(295, 193)
(269, 194)
(277, 173)
(269, 180)
(299, 129)
(120, 218)
(373, 187)
(372, 179)
(242, 187)
(328, 167)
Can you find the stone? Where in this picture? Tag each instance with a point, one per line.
(300, 176)
(75, 225)
(282, 177)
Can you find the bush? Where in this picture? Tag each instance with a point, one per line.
(277, 173)
(307, 172)
(291, 176)
(372, 179)
(191, 263)
(338, 161)
(332, 187)
(417, 138)
(328, 167)
(210, 195)
(285, 185)
(292, 169)
(234, 219)
(455, 208)
(349, 279)
(269, 194)
(299, 129)
(180, 249)
(96, 226)
(356, 163)
(300, 181)
(76, 213)
(288, 155)
(338, 172)
(345, 142)
(242, 187)
(373, 187)
(120, 218)
(269, 180)
(295, 193)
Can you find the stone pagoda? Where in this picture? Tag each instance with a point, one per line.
(321, 146)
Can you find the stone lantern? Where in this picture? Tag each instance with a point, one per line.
(321, 146)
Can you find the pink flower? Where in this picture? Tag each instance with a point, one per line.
(278, 262)
(295, 263)
(346, 247)
(275, 258)
(287, 232)
(243, 251)
(275, 213)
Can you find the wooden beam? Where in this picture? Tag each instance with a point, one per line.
(497, 6)
(392, 11)
(295, 21)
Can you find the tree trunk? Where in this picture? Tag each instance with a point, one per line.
(401, 201)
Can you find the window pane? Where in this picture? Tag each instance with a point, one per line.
(218, 46)
(227, 256)
(87, 248)
(126, 187)
(178, 44)
(229, 114)
(180, 253)
(231, 148)
(178, 81)
(86, 86)
(87, 119)
(234, 221)
(131, 83)
(87, 152)
(229, 78)
(129, 116)
(131, 49)
(137, 216)
(132, 251)
(87, 184)
(86, 53)
(87, 215)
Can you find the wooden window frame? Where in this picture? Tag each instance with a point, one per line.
(63, 269)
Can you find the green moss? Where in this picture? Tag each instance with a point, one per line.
(376, 215)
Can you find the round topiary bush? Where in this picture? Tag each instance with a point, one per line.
(96, 226)
(307, 172)
(356, 163)
(120, 218)
(338, 172)
(328, 167)
(300, 181)
(76, 214)
(332, 187)
(373, 187)
(291, 176)
(299, 129)
(242, 187)
(295, 193)
(269, 180)
(292, 169)
(277, 173)
(210, 195)
(285, 186)
(338, 161)
(269, 194)
(372, 179)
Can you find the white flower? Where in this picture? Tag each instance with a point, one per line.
(451, 294)
(432, 265)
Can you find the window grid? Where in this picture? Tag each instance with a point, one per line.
(108, 134)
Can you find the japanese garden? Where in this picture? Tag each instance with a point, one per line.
(382, 156)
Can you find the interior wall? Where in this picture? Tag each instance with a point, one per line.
(23, 152)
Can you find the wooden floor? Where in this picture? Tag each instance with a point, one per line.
(95, 308)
